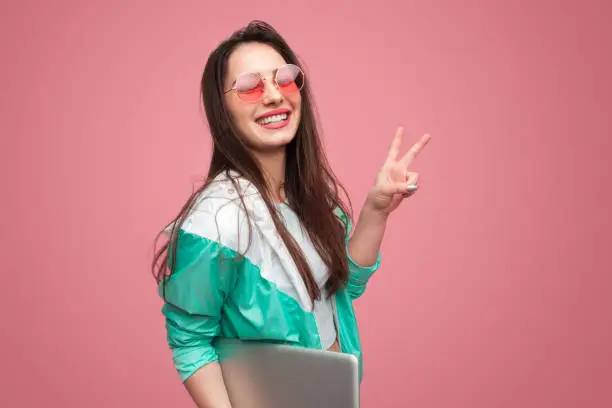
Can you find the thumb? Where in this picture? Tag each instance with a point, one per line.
(395, 188)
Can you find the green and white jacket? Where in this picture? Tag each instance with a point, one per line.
(214, 295)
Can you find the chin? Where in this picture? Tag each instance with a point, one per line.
(276, 138)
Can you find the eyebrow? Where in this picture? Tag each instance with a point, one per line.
(272, 71)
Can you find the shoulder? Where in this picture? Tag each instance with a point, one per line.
(218, 213)
(345, 219)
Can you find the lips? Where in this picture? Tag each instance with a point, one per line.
(279, 119)
(272, 113)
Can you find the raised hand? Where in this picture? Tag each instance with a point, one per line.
(395, 181)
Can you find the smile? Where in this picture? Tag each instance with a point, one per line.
(273, 119)
(276, 121)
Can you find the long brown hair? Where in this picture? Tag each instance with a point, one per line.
(311, 188)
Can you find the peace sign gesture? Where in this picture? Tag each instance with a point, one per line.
(395, 182)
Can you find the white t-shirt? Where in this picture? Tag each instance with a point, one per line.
(323, 310)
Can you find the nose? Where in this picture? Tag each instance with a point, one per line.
(271, 95)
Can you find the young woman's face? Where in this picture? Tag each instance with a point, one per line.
(259, 130)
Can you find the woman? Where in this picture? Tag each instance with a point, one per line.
(262, 250)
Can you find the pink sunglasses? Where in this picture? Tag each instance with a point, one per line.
(249, 86)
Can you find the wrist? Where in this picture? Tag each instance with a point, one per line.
(371, 212)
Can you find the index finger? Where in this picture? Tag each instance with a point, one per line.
(415, 150)
(396, 143)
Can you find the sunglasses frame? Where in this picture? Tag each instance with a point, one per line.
(262, 78)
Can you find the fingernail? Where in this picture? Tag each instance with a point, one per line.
(412, 187)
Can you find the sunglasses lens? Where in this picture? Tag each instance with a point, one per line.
(249, 87)
(290, 79)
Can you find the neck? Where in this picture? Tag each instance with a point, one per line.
(273, 166)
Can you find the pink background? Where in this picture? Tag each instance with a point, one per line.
(495, 286)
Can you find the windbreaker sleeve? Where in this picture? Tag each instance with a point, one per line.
(204, 275)
(359, 275)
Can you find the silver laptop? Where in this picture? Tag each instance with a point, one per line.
(282, 376)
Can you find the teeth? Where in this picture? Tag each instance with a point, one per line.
(272, 119)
